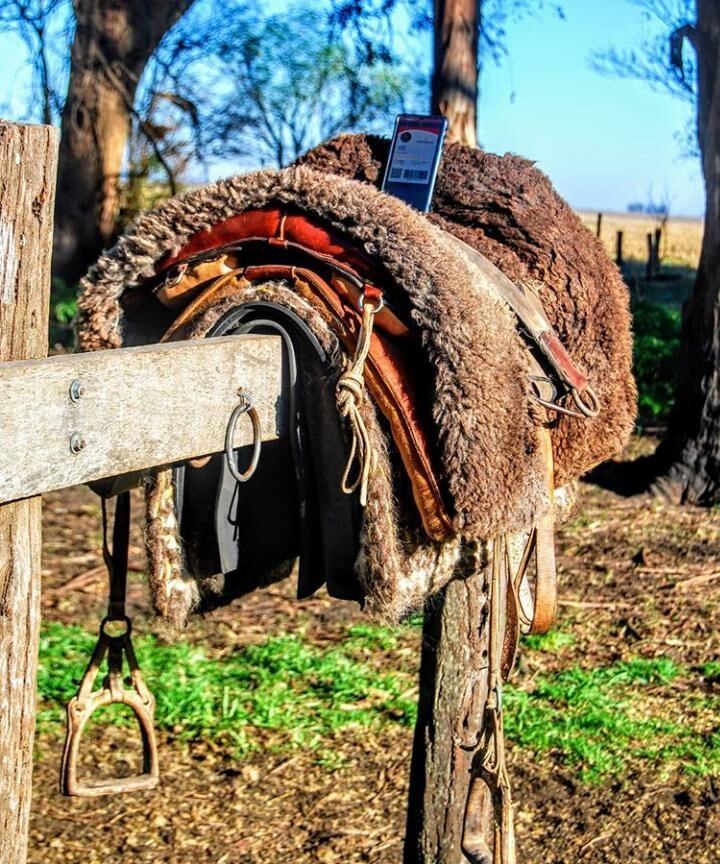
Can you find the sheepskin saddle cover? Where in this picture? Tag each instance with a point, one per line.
(509, 212)
(482, 470)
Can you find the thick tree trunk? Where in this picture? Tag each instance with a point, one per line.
(455, 75)
(453, 692)
(113, 42)
(28, 159)
(689, 457)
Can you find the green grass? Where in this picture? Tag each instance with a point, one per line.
(285, 685)
(601, 722)
(548, 643)
(656, 347)
(711, 670)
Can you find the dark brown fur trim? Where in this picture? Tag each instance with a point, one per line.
(507, 210)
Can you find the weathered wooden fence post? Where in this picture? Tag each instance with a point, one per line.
(28, 161)
(656, 251)
(619, 248)
(453, 692)
(598, 225)
(649, 266)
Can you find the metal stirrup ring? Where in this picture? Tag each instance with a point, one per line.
(245, 407)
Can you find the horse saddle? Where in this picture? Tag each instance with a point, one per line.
(295, 504)
(243, 520)
(424, 394)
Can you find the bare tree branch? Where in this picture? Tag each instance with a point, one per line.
(667, 24)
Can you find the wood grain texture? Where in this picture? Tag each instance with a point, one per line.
(453, 692)
(28, 160)
(140, 407)
(455, 73)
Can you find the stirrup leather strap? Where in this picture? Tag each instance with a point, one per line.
(113, 691)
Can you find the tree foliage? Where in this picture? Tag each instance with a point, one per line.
(273, 103)
(44, 28)
(660, 58)
(230, 90)
(652, 61)
(372, 21)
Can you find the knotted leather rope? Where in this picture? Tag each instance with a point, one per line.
(350, 394)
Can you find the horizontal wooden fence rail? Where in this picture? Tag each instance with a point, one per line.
(76, 418)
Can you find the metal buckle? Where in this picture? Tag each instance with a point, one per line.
(82, 706)
(374, 309)
(587, 409)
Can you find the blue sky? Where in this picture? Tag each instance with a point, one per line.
(604, 142)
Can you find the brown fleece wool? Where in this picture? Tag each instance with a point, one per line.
(485, 419)
(486, 437)
(507, 210)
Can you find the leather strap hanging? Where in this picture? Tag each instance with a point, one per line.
(490, 769)
(113, 691)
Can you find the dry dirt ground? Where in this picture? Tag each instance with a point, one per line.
(623, 562)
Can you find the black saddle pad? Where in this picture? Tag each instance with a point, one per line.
(293, 505)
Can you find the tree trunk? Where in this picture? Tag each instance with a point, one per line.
(453, 692)
(28, 159)
(113, 42)
(689, 457)
(455, 75)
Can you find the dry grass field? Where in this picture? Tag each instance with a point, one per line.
(681, 240)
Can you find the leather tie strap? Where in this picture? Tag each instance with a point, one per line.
(541, 545)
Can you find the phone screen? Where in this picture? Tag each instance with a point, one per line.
(415, 154)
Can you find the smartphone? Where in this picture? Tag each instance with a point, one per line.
(415, 153)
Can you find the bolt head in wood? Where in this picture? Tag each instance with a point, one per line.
(77, 442)
(77, 390)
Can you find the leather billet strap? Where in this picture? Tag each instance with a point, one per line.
(116, 560)
(531, 316)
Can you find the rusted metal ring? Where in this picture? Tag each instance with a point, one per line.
(559, 409)
(108, 619)
(589, 408)
(245, 407)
